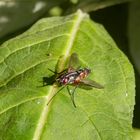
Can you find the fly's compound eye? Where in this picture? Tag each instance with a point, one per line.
(87, 71)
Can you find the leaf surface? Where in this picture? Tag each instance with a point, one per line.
(101, 114)
(136, 134)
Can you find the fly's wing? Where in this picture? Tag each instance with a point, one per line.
(90, 83)
(83, 86)
(73, 62)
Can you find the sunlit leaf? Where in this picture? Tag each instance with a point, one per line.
(24, 61)
(136, 134)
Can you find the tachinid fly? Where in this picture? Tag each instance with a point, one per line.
(75, 77)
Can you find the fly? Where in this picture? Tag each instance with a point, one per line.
(74, 77)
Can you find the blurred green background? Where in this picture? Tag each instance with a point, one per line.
(121, 18)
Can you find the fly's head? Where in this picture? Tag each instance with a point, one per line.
(87, 71)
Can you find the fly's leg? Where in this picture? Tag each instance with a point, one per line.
(58, 72)
(72, 94)
(54, 95)
(52, 71)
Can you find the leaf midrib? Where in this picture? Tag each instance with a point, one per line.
(45, 111)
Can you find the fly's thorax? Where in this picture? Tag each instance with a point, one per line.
(62, 80)
(71, 79)
(67, 78)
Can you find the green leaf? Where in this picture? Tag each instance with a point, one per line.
(136, 135)
(24, 61)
